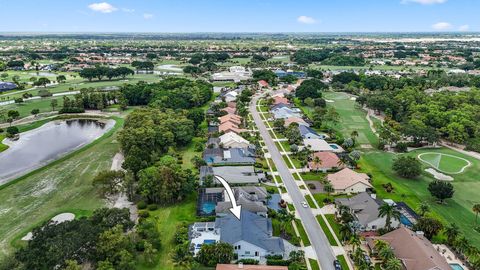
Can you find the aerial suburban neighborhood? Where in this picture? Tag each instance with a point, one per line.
(143, 135)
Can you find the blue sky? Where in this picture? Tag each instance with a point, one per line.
(239, 15)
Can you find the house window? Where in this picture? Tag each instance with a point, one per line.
(247, 252)
(256, 253)
(239, 247)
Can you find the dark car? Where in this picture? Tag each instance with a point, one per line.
(337, 265)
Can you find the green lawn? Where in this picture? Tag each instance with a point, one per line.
(310, 201)
(327, 232)
(333, 223)
(168, 218)
(314, 264)
(352, 118)
(64, 185)
(343, 262)
(303, 234)
(26, 107)
(3, 147)
(445, 163)
(458, 209)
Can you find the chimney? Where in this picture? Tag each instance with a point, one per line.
(240, 265)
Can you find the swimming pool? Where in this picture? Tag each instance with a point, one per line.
(456, 266)
(334, 146)
(208, 208)
(405, 221)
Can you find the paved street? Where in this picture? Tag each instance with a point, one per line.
(318, 239)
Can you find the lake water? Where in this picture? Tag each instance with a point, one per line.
(47, 143)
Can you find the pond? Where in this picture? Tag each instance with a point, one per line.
(40, 146)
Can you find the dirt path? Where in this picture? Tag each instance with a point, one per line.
(121, 200)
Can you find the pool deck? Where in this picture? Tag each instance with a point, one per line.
(449, 255)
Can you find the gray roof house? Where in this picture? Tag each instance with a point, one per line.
(6, 86)
(217, 156)
(251, 236)
(364, 208)
(283, 112)
(232, 174)
(309, 133)
(251, 198)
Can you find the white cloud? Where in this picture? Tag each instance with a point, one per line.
(442, 26)
(103, 7)
(306, 20)
(464, 28)
(147, 16)
(424, 2)
(128, 10)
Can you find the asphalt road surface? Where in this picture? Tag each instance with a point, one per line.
(317, 237)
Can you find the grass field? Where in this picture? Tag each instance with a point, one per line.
(168, 218)
(327, 232)
(62, 186)
(413, 192)
(26, 107)
(451, 164)
(351, 118)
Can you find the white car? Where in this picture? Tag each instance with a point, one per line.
(304, 204)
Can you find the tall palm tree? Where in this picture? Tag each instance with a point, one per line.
(476, 210)
(461, 244)
(423, 209)
(285, 218)
(393, 264)
(388, 211)
(380, 244)
(355, 241)
(359, 256)
(317, 162)
(452, 231)
(345, 232)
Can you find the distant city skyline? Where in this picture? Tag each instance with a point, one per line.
(190, 16)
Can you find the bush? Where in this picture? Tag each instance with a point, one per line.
(248, 261)
(12, 130)
(141, 205)
(401, 147)
(278, 262)
(152, 207)
(143, 214)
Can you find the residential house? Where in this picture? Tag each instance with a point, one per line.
(237, 120)
(232, 156)
(365, 210)
(318, 145)
(348, 181)
(241, 266)
(327, 161)
(263, 84)
(282, 111)
(297, 120)
(235, 74)
(233, 140)
(280, 100)
(230, 127)
(309, 133)
(231, 96)
(232, 174)
(229, 110)
(251, 198)
(412, 248)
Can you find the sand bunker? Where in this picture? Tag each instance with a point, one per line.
(438, 175)
(63, 217)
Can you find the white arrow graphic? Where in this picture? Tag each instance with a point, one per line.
(236, 209)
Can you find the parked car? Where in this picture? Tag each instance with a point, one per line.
(337, 265)
(304, 204)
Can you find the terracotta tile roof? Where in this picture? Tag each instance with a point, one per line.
(346, 178)
(249, 267)
(328, 160)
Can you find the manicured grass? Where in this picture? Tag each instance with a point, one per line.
(310, 201)
(312, 176)
(303, 234)
(25, 108)
(458, 209)
(314, 264)
(64, 185)
(333, 223)
(352, 118)
(327, 232)
(3, 147)
(444, 163)
(168, 219)
(343, 262)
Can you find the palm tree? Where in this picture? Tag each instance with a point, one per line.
(423, 209)
(461, 244)
(354, 134)
(452, 231)
(345, 232)
(476, 210)
(327, 187)
(285, 218)
(317, 162)
(355, 241)
(359, 256)
(380, 244)
(386, 254)
(393, 264)
(388, 211)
